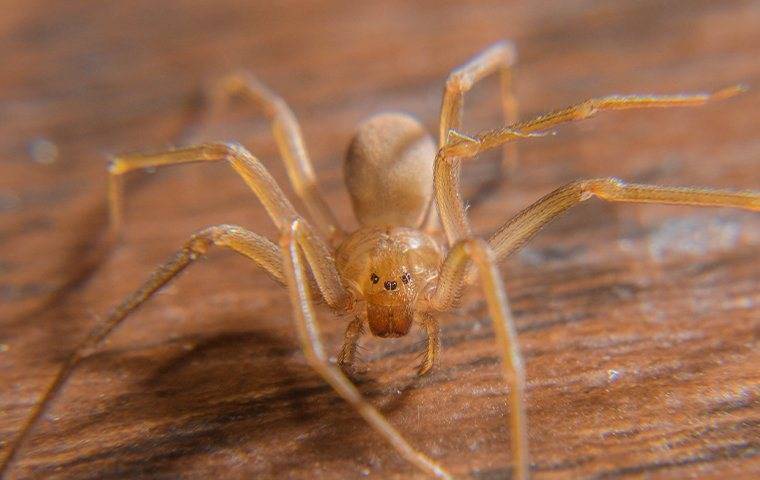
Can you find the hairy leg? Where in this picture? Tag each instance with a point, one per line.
(347, 355)
(432, 344)
(257, 248)
(308, 333)
(591, 107)
(242, 161)
(446, 181)
(450, 281)
(287, 134)
(523, 226)
(265, 188)
(447, 165)
(499, 57)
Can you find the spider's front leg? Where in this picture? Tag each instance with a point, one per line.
(311, 342)
(451, 280)
(498, 58)
(458, 146)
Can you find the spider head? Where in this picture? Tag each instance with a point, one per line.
(390, 291)
(388, 267)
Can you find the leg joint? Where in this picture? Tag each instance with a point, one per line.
(226, 150)
(596, 186)
(477, 249)
(458, 82)
(218, 235)
(291, 228)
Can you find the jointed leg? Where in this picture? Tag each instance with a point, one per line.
(257, 177)
(347, 356)
(591, 107)
(447, 171)
(242, 161)
(450, 280)
(446, 180)
(308, 333)
(500, 58)
(469, 146)
(432, 344)
(287, 134)
(521, 228)
(263, 252)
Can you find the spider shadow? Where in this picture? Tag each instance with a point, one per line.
(81, 263)
(337, 437)
(231, 393)
(95, 243)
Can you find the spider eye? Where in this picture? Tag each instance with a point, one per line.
(406, 277)
(374, 278)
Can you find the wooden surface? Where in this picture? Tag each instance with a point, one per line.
(639, 324)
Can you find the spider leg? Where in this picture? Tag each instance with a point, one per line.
(257, 248)
(242, 161)
(591, 107)
(433, 342)
(469, 146)
(446, 181)
(521, 228)
(459, 146)
(289, 139)
(347, 355)
(499, 57)
(308, 333)
(264, 187)
(451, 277)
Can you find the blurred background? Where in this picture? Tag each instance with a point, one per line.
(639, 324)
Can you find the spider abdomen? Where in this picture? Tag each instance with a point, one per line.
(389, 171)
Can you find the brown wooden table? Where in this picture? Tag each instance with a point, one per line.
(639, 324)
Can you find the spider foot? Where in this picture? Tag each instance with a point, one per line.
(424, 368)
(352, 370)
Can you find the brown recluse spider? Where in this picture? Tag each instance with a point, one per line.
(392, 271)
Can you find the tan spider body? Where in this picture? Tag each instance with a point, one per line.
(389, 263)
(392, 271)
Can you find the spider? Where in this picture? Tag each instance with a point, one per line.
(394, 270)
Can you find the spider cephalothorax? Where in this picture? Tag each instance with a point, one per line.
(389, 261)
(390, 264)
(389, 268)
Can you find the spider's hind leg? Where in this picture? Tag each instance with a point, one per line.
(287, 134)
(499, 57)
(289, 138)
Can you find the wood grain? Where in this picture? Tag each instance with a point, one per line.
(640, 325)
